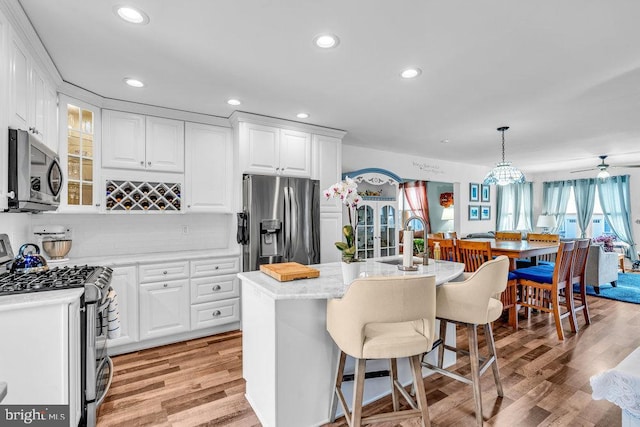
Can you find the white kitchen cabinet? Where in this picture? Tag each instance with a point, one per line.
(215, 292)
(327, 168)
(269, 150)
(209, 170)
(29, 95)
(330, 232)
(134, 141)
(124, 282)
(164, 308)
(80, 156)
(150, 273)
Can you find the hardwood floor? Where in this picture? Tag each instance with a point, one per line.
(546, 382)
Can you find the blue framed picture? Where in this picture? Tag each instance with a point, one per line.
(474, 213)
(474, 192)
(485, 194)
(485, 212)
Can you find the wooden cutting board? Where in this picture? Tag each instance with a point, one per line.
(287, 271)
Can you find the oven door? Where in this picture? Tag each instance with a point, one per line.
(99, 367)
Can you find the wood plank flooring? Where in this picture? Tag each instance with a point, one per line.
(546, 382)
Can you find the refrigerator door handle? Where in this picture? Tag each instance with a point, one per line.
(287, 223)
(293, 225)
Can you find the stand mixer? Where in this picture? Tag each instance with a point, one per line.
(55, 241)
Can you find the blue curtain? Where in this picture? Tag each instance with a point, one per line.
(514, 202)
(556, 196)
(614, 197)
(584, 191)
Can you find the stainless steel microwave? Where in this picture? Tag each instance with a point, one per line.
(35, 176)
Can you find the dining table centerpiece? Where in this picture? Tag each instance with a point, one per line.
(347, 192)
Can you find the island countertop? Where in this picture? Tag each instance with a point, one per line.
(329, 284)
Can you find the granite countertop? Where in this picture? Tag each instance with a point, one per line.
(329, 284)
(131, 259)
(39, 299)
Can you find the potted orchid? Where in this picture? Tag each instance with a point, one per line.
(346, 192)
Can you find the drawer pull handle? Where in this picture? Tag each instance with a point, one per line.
(165, 285)
(164, 272)
(216, 288)
(217, 267)
(216, 313)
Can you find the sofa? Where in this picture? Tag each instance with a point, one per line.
(601, 268)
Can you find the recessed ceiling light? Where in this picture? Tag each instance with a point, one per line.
(131, 14)
(133, 82)
(444, 141)
(326, 41)
(411, 73)
(234, 102)
(302, 115)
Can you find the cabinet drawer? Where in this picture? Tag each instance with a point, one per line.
(215, 313)
(214, 266)
(206, 289)
(162, 272)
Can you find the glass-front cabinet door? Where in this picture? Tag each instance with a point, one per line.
(376, 230)
(79, 151)
(387, 232)
(365, 231)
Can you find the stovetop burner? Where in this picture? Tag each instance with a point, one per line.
(53, 279)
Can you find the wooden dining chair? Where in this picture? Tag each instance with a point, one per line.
(450, 235)
(578, 270)
(447, 248)
(544, 238)
(473, 254)
(543, 286)
(514, 236)
(435, 235)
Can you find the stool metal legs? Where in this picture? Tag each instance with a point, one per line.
(355, 419)
(479, 365)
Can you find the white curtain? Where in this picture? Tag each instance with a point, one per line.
(556, 196)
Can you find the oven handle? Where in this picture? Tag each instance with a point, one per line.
(108, 361)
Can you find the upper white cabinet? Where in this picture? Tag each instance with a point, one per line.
(327, 167)
(208, 168)
(269, 150)
(134, 141)
(31, 98)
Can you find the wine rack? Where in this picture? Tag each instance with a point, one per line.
(142, 196)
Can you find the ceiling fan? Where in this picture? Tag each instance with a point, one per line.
(602, 167)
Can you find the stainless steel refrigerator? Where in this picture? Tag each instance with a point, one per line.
(280, 221)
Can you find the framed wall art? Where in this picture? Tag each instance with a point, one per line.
(474, 213)
(474, 192)
(485, 193)
(485, 212)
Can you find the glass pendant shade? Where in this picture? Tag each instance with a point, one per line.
(504, 173)
(603, 174)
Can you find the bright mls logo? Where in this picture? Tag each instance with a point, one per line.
(34, 415)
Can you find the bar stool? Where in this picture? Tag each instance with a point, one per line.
(383, 318)
(473, 302)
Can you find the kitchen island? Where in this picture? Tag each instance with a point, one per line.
(289, 359)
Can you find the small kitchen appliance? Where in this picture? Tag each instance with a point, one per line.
(55, 241)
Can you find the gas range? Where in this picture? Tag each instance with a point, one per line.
(93, 279)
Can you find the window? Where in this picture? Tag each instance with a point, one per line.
(598, 226)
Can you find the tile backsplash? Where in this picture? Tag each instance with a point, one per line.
(109, 235)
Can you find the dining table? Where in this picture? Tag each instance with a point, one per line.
(519, 249)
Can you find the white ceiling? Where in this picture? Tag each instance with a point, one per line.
(564, 75)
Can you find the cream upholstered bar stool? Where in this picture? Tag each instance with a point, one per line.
(473, 302)
(383, 318)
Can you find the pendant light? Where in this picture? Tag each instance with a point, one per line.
(504, 173)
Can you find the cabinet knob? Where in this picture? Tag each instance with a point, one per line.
(149, 163)
(32, 129)
(165, 285)
(216, 288)
(164, 272)
(141, 163)
(216, 313)
(217, 267)
(97, 205)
